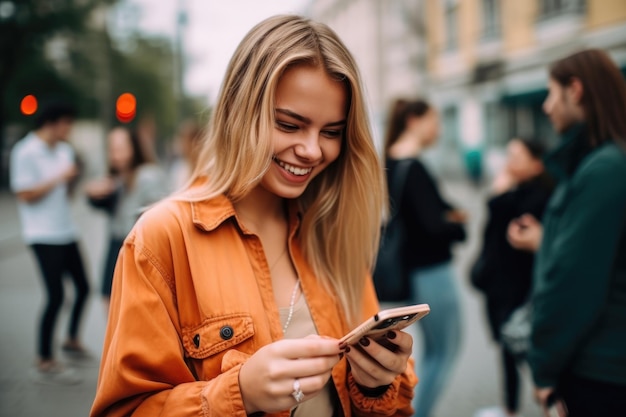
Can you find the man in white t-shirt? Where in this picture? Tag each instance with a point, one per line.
(42, 167)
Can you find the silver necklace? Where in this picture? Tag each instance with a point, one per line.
(278, 259)
(291, 305)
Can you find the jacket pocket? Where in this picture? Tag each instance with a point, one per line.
(217, 334)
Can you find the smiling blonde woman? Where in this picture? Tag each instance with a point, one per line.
(229, 298)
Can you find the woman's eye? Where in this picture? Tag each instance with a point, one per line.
(286, 127)
(332, 133)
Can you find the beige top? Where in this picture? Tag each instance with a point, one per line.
(322, 405)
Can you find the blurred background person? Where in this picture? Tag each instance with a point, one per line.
(578, 349)
(502, 273)
(186, 151)
(146, 132)
(42, 166)
(131, 184)
(433, 225)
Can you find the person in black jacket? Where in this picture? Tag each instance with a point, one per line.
(502, 273)
(433, 225)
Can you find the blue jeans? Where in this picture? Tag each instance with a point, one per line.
(441, 332)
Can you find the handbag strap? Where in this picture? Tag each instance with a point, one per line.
(398, 181)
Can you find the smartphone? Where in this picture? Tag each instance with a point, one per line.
(384, 321)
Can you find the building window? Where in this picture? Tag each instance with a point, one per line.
(491, 18)
(451, 10)
(495, 136)
(553, 8)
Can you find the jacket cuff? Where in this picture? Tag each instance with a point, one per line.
(222, 396)
(385, 404)
(373, 392)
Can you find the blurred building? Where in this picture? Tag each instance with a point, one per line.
(488, 60)
(387, 39)
(482, 63)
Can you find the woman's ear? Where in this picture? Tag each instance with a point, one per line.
(575, 90)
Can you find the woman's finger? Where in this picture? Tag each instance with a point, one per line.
(367, 371)
(307, 348)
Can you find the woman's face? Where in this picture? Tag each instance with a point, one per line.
(120, 150)
(430, 123)
(311, 111)
(426, 127)
(520, 163)
(561, 105)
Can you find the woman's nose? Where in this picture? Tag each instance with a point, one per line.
(309, 147)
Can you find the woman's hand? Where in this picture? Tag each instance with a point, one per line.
(525, 233)
(99, 189)
(541, 396)
(456, 216)
(267, 379)
(374, 364)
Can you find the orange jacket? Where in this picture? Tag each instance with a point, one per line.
(186, 272)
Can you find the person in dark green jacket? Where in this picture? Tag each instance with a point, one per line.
(578, 340)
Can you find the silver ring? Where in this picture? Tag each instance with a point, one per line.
(297, 391)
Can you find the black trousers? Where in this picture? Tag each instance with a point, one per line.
(54, 261)
(591, 398)
(511, 376)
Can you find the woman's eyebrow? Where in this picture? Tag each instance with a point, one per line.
(306, 119)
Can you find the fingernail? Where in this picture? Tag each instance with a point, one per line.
(391, 334)
(341, 356)
(347, 349)
(364, 341)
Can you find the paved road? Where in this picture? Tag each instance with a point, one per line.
(475, 382)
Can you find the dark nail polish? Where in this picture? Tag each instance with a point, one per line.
(391, 335)
(341, 356)
(364, 341)
(347, 349)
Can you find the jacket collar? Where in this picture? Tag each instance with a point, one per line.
(574, 147)
(208, 215)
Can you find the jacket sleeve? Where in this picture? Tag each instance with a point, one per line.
(396, 401)
(143, 370)
(424, 203)
(574, 265)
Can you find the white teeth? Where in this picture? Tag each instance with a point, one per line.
(294, 170)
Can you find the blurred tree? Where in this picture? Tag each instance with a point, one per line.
(36, 57)
(145, 70)
(62, 48)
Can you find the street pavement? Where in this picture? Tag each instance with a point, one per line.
(475, 382)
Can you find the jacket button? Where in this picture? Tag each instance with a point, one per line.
(226, 332)
(196, 340)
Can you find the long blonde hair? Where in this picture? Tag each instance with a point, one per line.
(342, 206)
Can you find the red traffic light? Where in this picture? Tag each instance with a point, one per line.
(126, 107)
(28, 105)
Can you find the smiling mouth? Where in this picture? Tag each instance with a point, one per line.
(293, 169)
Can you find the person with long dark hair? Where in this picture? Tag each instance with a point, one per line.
(578, 349)
(433, 225)
(131, 185)
(502, 273)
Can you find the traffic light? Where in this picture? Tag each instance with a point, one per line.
(28, 105)
(126, 107)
